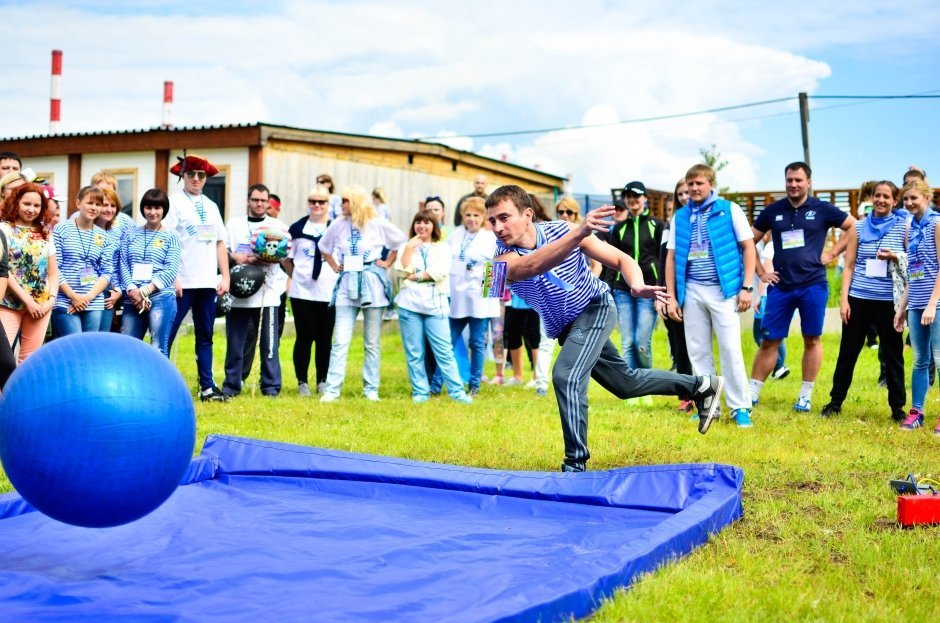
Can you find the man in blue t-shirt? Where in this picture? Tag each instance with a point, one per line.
(799, 225)
(547, 268)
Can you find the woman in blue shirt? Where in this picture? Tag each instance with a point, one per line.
(919, 303)
(149, 262)
(86, 258)
(868, 298)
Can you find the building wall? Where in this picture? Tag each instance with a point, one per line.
(291, 170)
(54, 168)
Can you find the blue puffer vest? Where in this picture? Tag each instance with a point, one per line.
(724, 244)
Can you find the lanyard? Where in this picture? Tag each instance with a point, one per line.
(466, 243)
(85, 251)
(200, 208)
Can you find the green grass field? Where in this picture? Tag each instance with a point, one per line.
(818, 540)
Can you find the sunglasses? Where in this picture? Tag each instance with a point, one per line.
(619, 208)
(318, 202)
(566, 212)
(199, 175)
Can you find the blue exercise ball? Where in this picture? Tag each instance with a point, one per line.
(96, 429)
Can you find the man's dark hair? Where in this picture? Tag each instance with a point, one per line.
(910, 174)
(274, 197)
(519, 197)
(260, 188)
(9, 155)
(793, 166)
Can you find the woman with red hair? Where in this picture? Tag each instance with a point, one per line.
(26, 221)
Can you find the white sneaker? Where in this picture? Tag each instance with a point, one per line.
(329, 398)
(372, 396)
(530, 384)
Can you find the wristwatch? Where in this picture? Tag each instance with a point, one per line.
(747, 288)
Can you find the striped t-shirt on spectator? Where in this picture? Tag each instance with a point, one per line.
(77, 249)
(160, 249)
(560, 295)
(876, 288)
(922, 267)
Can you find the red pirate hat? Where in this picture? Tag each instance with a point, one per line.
(193, 162)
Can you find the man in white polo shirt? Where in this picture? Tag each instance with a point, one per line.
(196, 220)
(547, 266)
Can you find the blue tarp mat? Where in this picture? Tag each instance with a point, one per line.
(265, 531)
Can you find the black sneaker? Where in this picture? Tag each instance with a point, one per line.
(213, 394)
(831, 409)
(708, 399)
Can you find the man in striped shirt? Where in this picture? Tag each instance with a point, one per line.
(547, 267)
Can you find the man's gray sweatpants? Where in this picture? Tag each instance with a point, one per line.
(586, 351)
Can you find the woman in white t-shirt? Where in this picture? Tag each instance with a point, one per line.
(311, 288)
(471, 247)
(424, 264)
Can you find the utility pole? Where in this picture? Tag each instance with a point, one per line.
(804, 125)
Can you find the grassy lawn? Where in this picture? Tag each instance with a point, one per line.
(818, 540)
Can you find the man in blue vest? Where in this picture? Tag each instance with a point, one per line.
(709, 270)
(547, 266)
(799, 225)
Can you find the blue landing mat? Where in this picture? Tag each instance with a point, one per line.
(265, 531)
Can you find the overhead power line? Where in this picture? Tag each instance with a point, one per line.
(588, 126)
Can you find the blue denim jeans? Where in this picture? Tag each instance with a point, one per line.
(477, 344)
(65, 323)
(637, 318)
(415, 328)
(342, 336)
(925, 341)
(202, 303)
(159, 320)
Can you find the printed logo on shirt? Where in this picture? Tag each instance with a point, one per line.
(811, 215)
(99, 240)
(779, 217)
(158, 244)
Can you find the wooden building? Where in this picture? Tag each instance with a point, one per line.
(287, 160)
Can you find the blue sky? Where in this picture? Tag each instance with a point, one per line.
(422, 68)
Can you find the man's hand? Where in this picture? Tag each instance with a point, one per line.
(770, 276)
(744, 301)
(650, 292)
(596, 220)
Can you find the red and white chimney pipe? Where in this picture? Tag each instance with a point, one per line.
(168, 104)
(55, 96)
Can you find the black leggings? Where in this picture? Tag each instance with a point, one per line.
(864, 314)
(7, 360)
(313, 323)
(521, 325)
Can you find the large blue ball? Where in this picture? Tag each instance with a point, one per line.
(96, 429)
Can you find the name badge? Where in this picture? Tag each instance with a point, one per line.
(876, 268)
(352, 264)
(915, 271)
(87, 276)
(698, 251)
(205, 233)
(792, 239)
(142, 272)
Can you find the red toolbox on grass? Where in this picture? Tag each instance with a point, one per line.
(918, 509)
